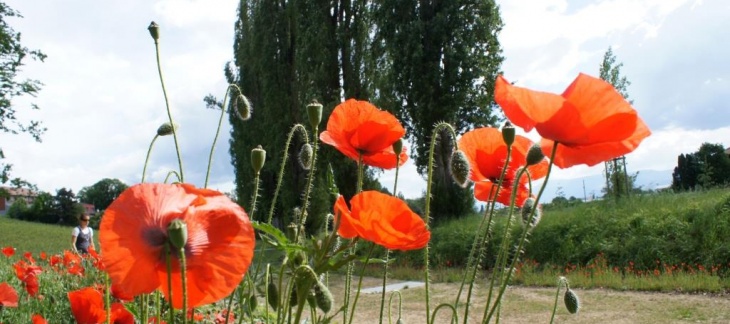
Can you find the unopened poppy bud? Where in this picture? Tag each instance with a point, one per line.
(527, 208)
(272, 294)
(253, 303)
(508, 133)
(323, 296)
(314, 112)
(291, 231)
(177, 232)
(243, 107)
(459, 166)
(398, 146)
(305, 156)
(534, 155)
(572, 303)
(258, 157)
(166, 129)
(154, 30)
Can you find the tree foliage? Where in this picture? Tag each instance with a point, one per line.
(708, 167)
(437, 61)
(618, 182)
(102, 193)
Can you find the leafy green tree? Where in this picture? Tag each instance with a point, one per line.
(437, 61)
(66, 207)
(102, 193)
(42, 209)
(708, 167)
(18, 210)
(686, 173)
(13, 56)
(618, 184)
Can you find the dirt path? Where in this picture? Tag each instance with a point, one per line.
(534, 305)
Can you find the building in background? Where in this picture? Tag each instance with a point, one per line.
(11, 195)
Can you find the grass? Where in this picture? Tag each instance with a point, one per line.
(36, 237)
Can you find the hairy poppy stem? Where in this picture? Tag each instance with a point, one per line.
(482, 239)
(217, 132)
(561, 281)
(147, 159)
(359, 283)
(168, 260)
(387, 251)
(280, 176)
(454, 314)
(183, 274)
(426, 218)
(169, 113)
(523, 239)
(390, 305)
(108, 298)
(310, 182)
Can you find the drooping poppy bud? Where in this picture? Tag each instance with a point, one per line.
(527, 210)
(166, 129)
(272, 294)
(398, 146)
(572, 303)
(534, 155)
(314, 112)
(305, 156)
(243, 107)
(508, 133)
(459, 165)
(323, 296)
(177, 233)
(154, 30)
(258, 157)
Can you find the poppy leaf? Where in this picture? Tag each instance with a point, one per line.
(272, 232)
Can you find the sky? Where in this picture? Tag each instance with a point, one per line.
(102, 100)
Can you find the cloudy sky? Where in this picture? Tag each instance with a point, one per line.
(102, 100)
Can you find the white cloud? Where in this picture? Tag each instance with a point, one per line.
(187, 13)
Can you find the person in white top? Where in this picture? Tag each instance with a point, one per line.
(82, 236)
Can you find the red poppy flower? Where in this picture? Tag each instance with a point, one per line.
(591, 121)
(38, 319)
(8, 251)
(219, 249)
(382, 219)
(70, 258)
(44, 256)
(487, 152)
(357, 127)
(87, 306)
(8, 296)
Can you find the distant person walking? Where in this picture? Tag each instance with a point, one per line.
(82, 237)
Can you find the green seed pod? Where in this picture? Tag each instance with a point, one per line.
(460, 168)
(154, 30)
(311, 299)
(258, 157)
(572, 303)
(293, 298)
(177, 233)
(166, 129)
(508, 133)
(534, 155)
(323, 296)
(273, 294)
(253, 303)
(314, 112)
(306, 155)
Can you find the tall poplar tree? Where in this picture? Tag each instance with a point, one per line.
(438, 61)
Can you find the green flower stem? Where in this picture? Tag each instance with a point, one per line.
(454, 314)
(168, 260)
(183, 274)
(169, 113)
(427, 207)
(108, 299)
(359, 283)
(217, 131)
(310, 182)
(147, 159)
(523, 239)
(390, 305)
(167, 177)
(561, 281)
(255, 194)
(482, 238)
(387, 251)
(294, 129)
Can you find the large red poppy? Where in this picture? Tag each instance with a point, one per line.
(8, 296)
(487, 153)
(219, 249)
(357, 127)
(87, 306)
(591, 121)
(382, 219)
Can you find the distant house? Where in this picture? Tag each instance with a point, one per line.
(13, 194)
(727, 151)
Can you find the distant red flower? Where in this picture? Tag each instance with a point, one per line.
(591, 121)
(382, 219)
(8, 296)
(76, 269)
(218, 251)
(487, 153)
(70, 258)
(44, 256)
(9, 251)
(29, 256)
(55, 260)
(28, 275)
(38, 319)
(357, 127)
(87, 306)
